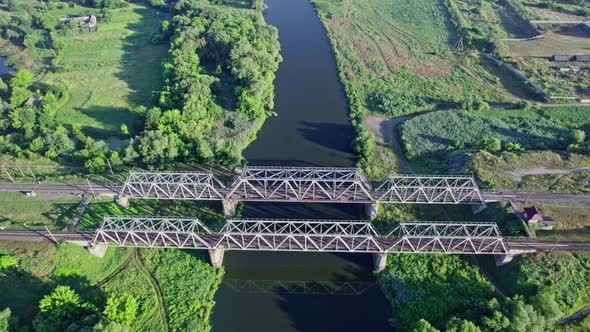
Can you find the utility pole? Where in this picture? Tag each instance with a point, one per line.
(51, 235)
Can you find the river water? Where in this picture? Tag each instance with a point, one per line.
(273, 291)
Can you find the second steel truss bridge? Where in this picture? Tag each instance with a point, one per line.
(302, 235)
(301, 184)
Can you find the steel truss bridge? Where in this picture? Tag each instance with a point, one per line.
(302, 236)
(344, 185)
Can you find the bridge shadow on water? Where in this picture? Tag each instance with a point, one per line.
(280, 308)
(276, 210)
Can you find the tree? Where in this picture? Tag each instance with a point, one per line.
(7, 262)
(5, 320)
(124, 129)
(461, 325)
(424, 326)
(22, 79)
(158, 3)
(96, 165)
(152, 147)
(57, 143)
(122, 309)
(578, 136)
(61, 303)
(491, 144)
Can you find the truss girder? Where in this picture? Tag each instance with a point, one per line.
(154, 233)
(429, 190)
(165, 185)
(301, 184)
(303, 235)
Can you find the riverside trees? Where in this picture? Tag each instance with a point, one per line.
(244, 54)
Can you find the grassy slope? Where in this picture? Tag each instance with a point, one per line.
(110, 70)
(429, 136)
(380, 46)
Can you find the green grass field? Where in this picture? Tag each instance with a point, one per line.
(433, 135)
(400, 50)
(36, 212)
(110, 70)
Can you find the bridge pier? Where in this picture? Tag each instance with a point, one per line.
(98, 250)
(229, 207)
(122, 201)
(372, 210)
(503, 259)
(478, 208)
(216, 257)
(379, 261)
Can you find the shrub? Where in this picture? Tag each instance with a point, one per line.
(121, 308)
(7, 262)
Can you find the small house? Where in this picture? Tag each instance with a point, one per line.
(562, 58)
(582, 58)
(534, 217)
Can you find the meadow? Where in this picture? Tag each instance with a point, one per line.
(110, 71)
(397, 57)
(438, 134)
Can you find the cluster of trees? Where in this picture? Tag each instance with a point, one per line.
(64, 309)
(244, 51)
(445, 293)
(28, 126)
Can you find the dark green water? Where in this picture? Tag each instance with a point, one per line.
(278, 291)
(4, 67)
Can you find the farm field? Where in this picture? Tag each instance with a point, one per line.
(110, 71)
(397, 57)
(567, 41)
(36, 212)
(556, 9)
(427, 138)
(573, 223)
(174, 288)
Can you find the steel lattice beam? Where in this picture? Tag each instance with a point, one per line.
(303, 184)
(153, 233)
(430, 190)
(303, 235)
(166, 185)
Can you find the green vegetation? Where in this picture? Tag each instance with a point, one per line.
(398, 58)
(432, 293)
(66, 286)
(442, 135)
(222, 60)
(81, 85)
(562, 274)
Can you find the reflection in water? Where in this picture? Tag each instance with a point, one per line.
(4, 67)
(306, 287)
(333, 292)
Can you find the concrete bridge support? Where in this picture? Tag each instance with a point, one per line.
(216, 257)
(478, 208)
(372, 210)
(122, 200)
(229, 207)
(98, 250)
(380, 261)
(503, 259)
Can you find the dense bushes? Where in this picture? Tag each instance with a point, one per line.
(244, 52)
(429, 293)
(435, 133)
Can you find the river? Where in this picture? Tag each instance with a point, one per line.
(273, 291)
